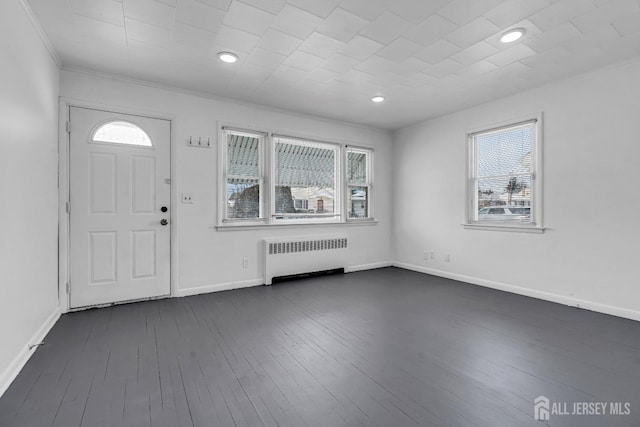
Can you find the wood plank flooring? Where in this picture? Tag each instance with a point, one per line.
(384, 347)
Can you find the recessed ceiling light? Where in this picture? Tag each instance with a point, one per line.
(228, 57)
(378, 98)
(512, 35)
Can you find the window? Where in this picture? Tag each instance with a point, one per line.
(119, 132)
(275, 179)
(305, 180)
(243, 175)
(358, 183)
(504, 188)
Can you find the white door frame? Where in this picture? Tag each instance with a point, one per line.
(63, 192)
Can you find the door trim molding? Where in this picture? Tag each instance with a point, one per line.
(64, 271)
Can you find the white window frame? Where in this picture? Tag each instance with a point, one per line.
(267, 173)
(337, 173)
(536, 224)
(368, 181)
(224, 176)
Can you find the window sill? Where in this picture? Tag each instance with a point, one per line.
(504, 227)
(240, 227)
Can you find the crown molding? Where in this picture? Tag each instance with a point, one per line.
(43, 36)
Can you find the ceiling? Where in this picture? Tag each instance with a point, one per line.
(329, 57)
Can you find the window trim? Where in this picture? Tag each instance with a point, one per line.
(99, 126)
(223, 175)
(537, 194)
(368, 151)
(338, 216)
(267, 193)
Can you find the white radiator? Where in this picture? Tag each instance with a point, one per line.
(308, 254)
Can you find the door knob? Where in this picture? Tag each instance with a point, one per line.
(163, 221)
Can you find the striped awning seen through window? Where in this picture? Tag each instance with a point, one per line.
(304, 164)
(243, 155)
(356, 167)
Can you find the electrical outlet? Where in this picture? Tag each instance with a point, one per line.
(447, 258)
(245, 262)
(432, 255)
(186, 198)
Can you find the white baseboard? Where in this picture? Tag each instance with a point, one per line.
(257, 282)
(21, 359)
(219, 287)
(547, 296)
(361, 267)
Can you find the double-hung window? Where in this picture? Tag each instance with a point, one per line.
(243, 175)
(504, 176)
(268, 179)
(358, 183)
(305, 175)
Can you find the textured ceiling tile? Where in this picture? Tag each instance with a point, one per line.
(513, 54)
(443, 68)
(219, 4)
(275, 41)
(106, 11)
(320, 45)
(291, 74)
(473, 32)
(149, 34)
(367, 9)
(361, 48)
(408, 67)
(339, 63)
(602, 39)
(399, 50)
(342, 25)
(374, 65)
(416, 11)
(296, 22)
(474, 53)
(319, 8)
(191, 36)
(552, 38)
(438, 51)
(92, 29)
(512, 11)
(321, 74)
(173, 3)
(477, 69)
(234, 39)
(560, 12)
(150, 12)
(354, 77)
(627, 24)
(418, 80)
(303, 61)
(431, 30)
(265, 58)
(463, 11)
(386, 28)
(248, 18)
(199, 15)
(271, 6)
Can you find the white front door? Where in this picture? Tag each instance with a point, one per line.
(119, 173)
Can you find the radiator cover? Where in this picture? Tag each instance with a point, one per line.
(304, 254)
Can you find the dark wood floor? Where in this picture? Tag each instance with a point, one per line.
(384, 347)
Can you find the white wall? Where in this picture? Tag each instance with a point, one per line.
(209, 259)
(28, 188)
(588, 254)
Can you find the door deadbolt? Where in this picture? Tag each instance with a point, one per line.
(163, 209)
